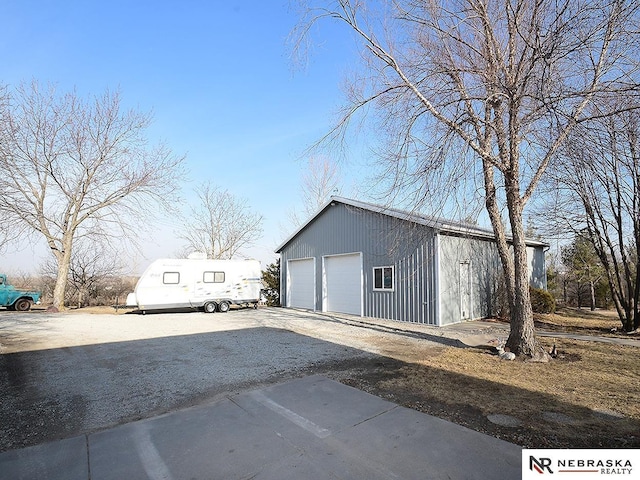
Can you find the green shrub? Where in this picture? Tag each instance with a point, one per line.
(271, 282)
(542, 301)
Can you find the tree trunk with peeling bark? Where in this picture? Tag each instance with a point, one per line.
(62, 275)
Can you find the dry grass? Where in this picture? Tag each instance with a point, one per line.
(596, 376)
(582, 321)
(99, 310)
(589, 397)
(96, 310)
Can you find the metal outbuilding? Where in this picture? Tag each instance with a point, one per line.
(374, 261)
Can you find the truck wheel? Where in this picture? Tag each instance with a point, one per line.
(22, 305)
(223, 307)
(209, 307)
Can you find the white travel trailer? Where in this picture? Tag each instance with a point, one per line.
(209, 285)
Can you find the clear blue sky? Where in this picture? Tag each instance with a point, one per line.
(216, 75)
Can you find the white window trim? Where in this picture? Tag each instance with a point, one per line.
(393, 279)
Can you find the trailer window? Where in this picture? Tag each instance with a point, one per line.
(213, 277)
(383, 278)
(171, 278)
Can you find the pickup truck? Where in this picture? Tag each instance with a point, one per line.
(14, 298)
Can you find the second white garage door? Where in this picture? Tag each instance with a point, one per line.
(342, 284)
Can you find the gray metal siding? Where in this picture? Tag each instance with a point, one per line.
(427, 266)
(537, 267)
(485, 270)
(383, 241)
(486, 273)
(414, 296)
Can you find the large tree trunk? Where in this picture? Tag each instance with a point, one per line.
(64, 262)
(514, 264)
(521, 337)
(61, 284)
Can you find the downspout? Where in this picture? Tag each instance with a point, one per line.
(436, 246)
(544, 265)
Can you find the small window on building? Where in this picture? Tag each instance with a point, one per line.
(171, 278)
(213, 277)
(383, 278)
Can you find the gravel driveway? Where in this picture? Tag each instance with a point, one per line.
(65, 374)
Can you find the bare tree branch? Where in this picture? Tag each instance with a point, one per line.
(221, 225)
(597, 189)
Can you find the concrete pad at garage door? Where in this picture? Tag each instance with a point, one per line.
(307, 428)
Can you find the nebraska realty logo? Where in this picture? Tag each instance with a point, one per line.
(580, 463)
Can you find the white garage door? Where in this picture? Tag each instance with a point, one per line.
(343, 284)
(301, 284)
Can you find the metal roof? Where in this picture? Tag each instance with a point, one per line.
(446, 227)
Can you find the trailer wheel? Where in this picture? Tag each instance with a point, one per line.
(22, 305)
(223, 307)
(209, 307)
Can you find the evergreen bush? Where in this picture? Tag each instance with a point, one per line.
(542, 301)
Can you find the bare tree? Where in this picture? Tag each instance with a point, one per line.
(7, 231)
(221, 225)
(73, 168)
(596, 193)
(320, 180)
(94, 262)
(483, 87)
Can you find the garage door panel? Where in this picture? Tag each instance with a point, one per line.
(301, 284)
(343, 284)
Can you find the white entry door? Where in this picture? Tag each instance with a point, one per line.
(301, 283)
(342, 284)
(465, 291)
